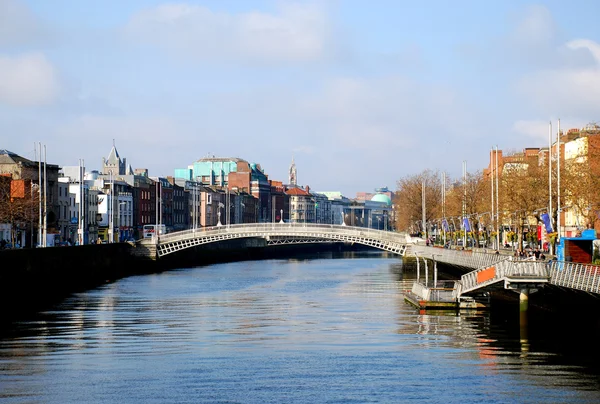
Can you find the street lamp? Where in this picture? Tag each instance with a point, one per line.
(281, 216)
(110, 201)
(219, 214)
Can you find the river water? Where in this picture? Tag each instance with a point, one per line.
(315, 330)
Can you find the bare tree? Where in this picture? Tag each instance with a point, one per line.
(409, 200)
(18, 204)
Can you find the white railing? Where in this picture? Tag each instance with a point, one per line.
(503, 269)
(390, 241)
(584, 277)
(466, 258)
(443, 291)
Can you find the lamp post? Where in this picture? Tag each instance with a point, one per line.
(110, 208)
(219, 214)
(281, 216)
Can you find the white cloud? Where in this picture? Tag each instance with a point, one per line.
(295, 33)
(18, 25)
(144, 140)
(27, 79)
(591, 46)
(532, 128)
(535, 27)
(569, 90)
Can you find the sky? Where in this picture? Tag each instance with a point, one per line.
(359, 93)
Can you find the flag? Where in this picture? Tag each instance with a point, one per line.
(466, 224)
(546, 219)
(445, 225)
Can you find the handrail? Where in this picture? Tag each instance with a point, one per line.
(390, 241)
(584, 277)
(466, 258)
(503, 269)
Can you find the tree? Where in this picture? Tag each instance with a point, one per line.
(409, 200)
(524, 190)
(18, 204)
(472, 193)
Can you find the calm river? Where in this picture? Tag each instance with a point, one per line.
(319, 330)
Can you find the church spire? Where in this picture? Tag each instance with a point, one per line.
(293, 179)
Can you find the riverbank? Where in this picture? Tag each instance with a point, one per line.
(35, 279)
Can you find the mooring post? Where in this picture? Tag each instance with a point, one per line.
(523, 300)
(418, 268)
(523, 306)
(434, 271)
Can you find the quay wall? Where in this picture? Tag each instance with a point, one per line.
(35, 279)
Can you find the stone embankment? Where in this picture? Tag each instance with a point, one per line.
(34, 279)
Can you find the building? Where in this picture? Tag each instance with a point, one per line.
(235, 174)
(21, 168)
(65, 199)
(280, 202)
(338, 204)
(302, 204)
(581, 165)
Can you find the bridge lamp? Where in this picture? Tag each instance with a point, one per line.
(281, 216)
(219, 214)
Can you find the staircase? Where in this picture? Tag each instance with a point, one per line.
(507, 274)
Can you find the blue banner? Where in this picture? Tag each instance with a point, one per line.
(466, 224)
(445, 225)
(546, 219)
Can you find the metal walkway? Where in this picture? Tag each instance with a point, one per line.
(507, 274)
(581, 277)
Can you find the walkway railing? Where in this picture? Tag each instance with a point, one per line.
(480, 278)
(584, 277)
(466, 258)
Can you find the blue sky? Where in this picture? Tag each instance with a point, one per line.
(361, 93)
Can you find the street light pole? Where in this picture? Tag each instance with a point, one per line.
(558, 209)
(498, 223)
(40, 196)
(45, 232)
(550, 249)
(423, 209)
(111, 209)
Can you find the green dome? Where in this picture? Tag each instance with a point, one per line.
(382, 198)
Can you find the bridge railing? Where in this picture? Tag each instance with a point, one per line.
(584, 277)
(466, 258)
(287, 228)
(507, 268)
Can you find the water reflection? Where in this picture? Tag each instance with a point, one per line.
(327, 329)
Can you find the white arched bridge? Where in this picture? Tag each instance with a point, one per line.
(483, 267)
(280, 233)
